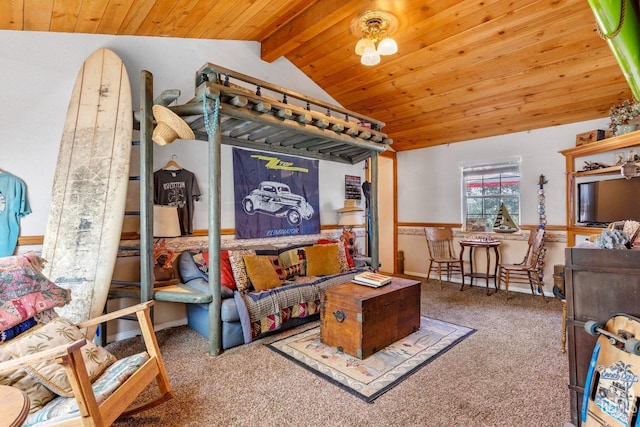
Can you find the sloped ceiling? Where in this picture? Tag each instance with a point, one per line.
(465, 69)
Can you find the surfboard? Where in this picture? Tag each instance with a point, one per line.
(623, 29)
(90, 186)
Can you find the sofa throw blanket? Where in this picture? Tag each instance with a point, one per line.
(266, 311)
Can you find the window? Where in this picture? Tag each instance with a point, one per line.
(485, 187)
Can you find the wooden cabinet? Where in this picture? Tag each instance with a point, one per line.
(598, 283)
(582, 153)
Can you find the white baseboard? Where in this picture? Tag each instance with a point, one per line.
(457, 280)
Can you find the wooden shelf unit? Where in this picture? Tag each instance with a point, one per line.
(571, 154)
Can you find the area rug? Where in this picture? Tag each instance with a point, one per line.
(377, 374)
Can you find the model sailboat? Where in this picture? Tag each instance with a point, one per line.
(503, 222)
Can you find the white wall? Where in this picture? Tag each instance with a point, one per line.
(37, 74)
(429, 179)
(430, 190)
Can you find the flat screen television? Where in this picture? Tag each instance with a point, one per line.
(603, 202)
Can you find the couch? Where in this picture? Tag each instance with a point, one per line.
(266, 289)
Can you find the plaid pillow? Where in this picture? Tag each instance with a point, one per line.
(275, 261)
(293, 262)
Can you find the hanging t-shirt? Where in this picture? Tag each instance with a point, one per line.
(13, 206)
(177, 188)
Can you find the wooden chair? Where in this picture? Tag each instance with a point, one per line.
(525, 271)
(103, 412)
(440, 244)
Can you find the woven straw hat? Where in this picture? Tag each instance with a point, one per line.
(169, 126)
(350, 206)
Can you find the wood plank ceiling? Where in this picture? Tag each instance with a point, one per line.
(465, 69)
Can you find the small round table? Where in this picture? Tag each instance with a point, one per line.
(487, 244)
(14, 406)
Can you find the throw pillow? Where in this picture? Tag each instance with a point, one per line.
(239, 269)
(226, 273)
(322, 260)
(38, 394)
(343, 253)
(202, 261)
(261, 272)
(52, 375)
(292, 262)
(277, 266)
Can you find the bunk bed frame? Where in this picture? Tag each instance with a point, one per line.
(236, 109)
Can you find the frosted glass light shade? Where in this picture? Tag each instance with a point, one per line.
(387, 46)
(370, 57)
(362, 44)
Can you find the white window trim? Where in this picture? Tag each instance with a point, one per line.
(498, 166)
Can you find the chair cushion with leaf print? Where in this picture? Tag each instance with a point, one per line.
(52, 375)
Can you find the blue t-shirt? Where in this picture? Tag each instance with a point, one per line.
(13, 206)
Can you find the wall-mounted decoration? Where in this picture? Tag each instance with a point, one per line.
(352, 187)
(275, 195)
(542, 223)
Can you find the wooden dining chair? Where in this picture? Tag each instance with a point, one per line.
(441, 252)
(525, 271)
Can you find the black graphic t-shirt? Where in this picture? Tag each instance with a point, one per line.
(177, 188)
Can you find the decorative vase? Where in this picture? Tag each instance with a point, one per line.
(622, 129)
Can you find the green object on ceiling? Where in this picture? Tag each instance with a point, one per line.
(622, 36)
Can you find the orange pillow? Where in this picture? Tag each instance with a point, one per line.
(346, 262)
(261, 273)
(322, 260)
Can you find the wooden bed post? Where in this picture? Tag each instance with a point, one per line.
(215, 142)
(373, 207)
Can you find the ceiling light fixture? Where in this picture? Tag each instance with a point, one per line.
(374, 28)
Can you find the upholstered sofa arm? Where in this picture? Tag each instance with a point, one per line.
(191, 275)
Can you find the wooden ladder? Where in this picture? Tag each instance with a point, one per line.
(144, 290)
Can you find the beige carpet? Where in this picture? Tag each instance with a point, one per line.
(510, 372)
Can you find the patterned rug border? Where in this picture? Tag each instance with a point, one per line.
(381, 391)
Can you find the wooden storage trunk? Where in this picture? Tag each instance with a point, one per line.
(360, 320)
